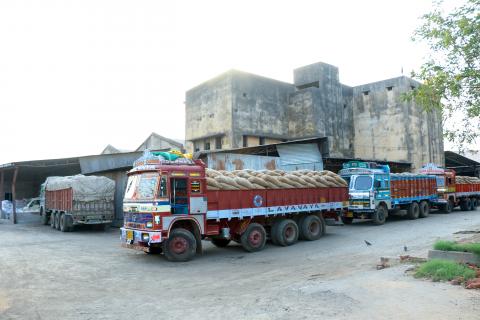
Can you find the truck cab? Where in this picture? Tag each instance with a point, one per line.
(369, 191)
(445, 186)
(163, 195)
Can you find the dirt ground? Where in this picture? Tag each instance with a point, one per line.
(46, 274)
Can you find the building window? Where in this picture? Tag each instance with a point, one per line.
(365, 93)
(196, 147)
(207, 145)
(245, 141)
(261, 141)
(218, 143)
(389, 88)
(244, 95)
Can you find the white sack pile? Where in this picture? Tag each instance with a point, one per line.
(467, 180)
(271, 179)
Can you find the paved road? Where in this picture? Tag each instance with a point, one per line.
(46, 274)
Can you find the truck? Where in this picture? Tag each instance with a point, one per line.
(375, 193)
(66, 202)
(169, 209)
(453, 191)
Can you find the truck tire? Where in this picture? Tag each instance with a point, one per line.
(424, 207)
(285, 232)
(347, 220)
(57, 220)
(311, 228)
(471, 207)
(65, 223)
(475, 203)
(413, 211)
(464, 204)
(44, 216)
(254, 238)
(448, 207)
(380, 215)
(180, 245)
(220, 242)
(52, 220)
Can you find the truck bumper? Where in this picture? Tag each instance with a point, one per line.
(358, 213)
(139, 239)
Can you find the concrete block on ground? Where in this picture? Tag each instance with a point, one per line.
(463, 257)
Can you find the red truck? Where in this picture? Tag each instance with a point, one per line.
(454, 191)
(168, 208)
(77, 200)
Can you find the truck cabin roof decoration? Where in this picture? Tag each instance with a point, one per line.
(361, 167)
(153, 160)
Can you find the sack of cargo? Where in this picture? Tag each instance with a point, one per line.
(243, 182)
(259, 181)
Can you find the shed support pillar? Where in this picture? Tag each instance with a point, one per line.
(14, 207)
(2, 194)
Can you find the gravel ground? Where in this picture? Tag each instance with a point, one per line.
(46, 274)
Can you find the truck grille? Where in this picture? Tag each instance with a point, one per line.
(137, 220)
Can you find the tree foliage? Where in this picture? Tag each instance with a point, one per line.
(451, 74)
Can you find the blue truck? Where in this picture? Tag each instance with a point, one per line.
(375, 192)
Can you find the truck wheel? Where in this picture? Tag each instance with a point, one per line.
(413, 211)
(57, 221)
(44, 216)
(464, 204)
(220, 243)
(424, 209)
(347, 220)
(311, 228)
(180, 245)
(52, 220)
(254, 238)
(471, 207)
(285, 232)
(380, 215)
(65, 223)
(448, 207)
(475, 203)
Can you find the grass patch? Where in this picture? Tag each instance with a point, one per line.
(453, 246)
(444, 270)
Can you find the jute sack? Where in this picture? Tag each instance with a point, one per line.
(294, 178)
(212, 188)
(212, 182)
(227, 180)
(259, 181)
(243, 182)
(212, 173)
(292, 183)
(224, 186)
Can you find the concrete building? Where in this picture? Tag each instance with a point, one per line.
(372, 121)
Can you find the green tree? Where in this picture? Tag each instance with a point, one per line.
(451, 73)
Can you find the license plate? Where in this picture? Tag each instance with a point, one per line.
(349, 215)
(129, 236)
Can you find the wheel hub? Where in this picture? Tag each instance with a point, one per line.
(178, 245)
(255, 238)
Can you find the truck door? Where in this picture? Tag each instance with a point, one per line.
(179, 195)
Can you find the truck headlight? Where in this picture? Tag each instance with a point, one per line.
(145, 237)
(149, 224)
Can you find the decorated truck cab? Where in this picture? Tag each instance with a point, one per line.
(169, 208)
(374, 192)
(453, 191)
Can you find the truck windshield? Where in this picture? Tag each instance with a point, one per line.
(363, 183)
(440, 181)
(142, 186)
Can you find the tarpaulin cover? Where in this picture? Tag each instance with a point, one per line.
(85, 188)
